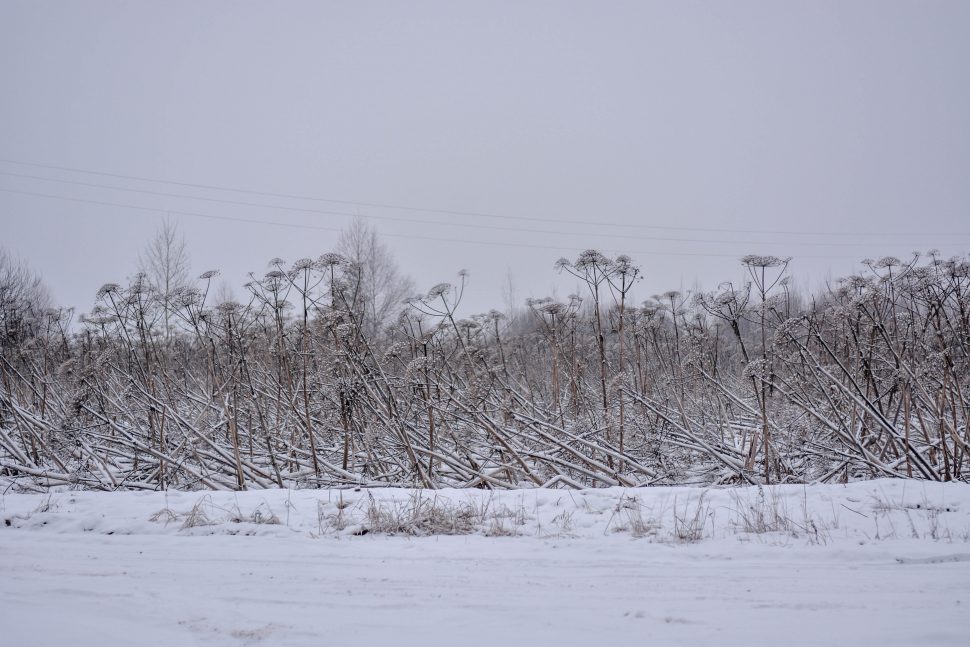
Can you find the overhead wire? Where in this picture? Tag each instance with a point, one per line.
(256, 221)
(429, 222)
(555, 221)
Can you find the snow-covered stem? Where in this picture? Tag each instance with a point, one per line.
(296, 387)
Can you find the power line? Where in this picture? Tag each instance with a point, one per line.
(182, 195)
(255, 221)
(427, 222)
(555, 221)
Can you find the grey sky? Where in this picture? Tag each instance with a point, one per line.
(848, 119)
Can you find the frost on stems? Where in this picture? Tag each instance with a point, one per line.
(867, 378)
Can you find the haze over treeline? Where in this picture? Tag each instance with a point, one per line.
(484, 137)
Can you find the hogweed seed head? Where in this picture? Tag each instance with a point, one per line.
(330, 259)
(756, 260)
(439, 290)
(108, 288)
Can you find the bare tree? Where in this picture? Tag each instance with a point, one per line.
(165, 263)
(509, 295)
(378, 289)
(23, 296)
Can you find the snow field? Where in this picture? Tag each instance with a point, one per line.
(880, 562)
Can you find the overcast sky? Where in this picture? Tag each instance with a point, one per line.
(685, 134)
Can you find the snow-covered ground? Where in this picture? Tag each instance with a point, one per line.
(881, 562)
